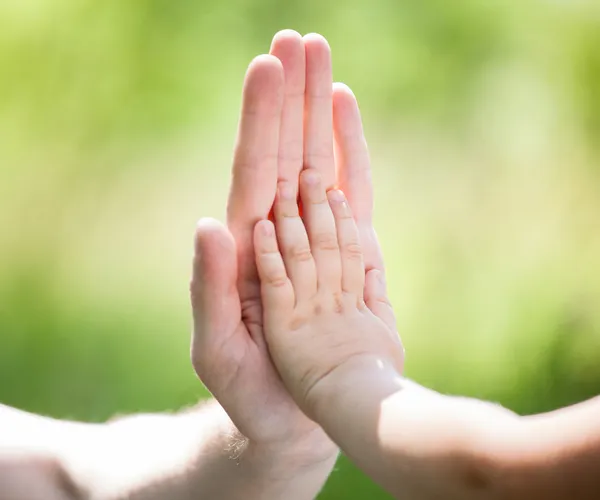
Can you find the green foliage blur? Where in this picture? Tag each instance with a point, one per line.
(117, 120)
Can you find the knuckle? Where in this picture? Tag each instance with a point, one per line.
(353, 251)
(317, 200)
(300, 254)
(268, 254)
(326, 241)
(289, 211)
(338, 303)
(344, 214)
(277, 280)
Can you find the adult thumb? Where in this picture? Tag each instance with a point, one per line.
(215, 300)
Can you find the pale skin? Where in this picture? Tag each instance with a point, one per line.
(256, 442)
(331, 332)
(289, 130)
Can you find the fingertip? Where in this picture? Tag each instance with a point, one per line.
(208, 224)
(264, 77)
(339, 205)
(336, 196)
(341, 89)
(286, 36)
(207, 230)
(344, 100)
(316, 41)
(286, 192)
(318, 64)
(264, 232)
(310, 177)
(288, 47)
(346, 113)
(214, 260)
(267, 63)
(264, 88)
(267, 227)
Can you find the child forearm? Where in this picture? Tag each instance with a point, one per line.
(415, 442)
(419, 444)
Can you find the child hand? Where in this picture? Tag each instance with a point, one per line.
(320, 309)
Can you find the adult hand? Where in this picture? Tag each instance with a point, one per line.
(290, 113)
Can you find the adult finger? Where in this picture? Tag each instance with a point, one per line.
(288, 47)
(354, 170)
(254, 174)
(318, 135)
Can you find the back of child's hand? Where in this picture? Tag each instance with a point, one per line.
(320, 308)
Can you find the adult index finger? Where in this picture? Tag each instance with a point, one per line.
(254, 173)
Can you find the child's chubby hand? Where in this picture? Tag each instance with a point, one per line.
(322, 312)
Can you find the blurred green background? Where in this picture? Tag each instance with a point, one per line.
(117, 120)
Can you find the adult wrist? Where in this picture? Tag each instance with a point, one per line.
(295, 469)
(311, 451)
(301, 452)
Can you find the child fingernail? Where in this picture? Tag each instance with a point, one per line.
(286, 192)
(336, 195)
(311, 178)
(267, 228)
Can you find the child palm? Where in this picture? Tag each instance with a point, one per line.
(320, 309)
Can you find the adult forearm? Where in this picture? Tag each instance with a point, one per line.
(233, 467)
(195, 454)
(29, 465)
(192, 455)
